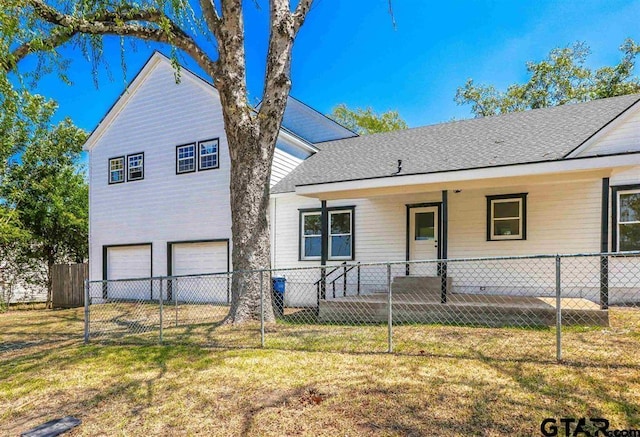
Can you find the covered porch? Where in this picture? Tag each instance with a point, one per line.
(435, 224)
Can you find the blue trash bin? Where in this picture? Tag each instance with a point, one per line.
(278, 287)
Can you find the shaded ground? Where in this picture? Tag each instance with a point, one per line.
(445, 380)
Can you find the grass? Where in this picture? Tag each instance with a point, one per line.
(313, 379)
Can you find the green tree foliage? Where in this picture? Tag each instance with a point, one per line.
(43, 192)
(366, 121)
(561, 78)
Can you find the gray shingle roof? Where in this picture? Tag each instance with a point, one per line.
(547, 134)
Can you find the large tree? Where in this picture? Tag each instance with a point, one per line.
(367, 121)
(216, 42)
(563, 77)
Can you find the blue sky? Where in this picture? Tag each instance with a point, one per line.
(349, 52)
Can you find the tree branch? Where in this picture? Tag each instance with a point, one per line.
(284, 27)
(120, 22)
(300, 14)
(211, 16)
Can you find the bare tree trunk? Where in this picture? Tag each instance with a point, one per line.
(250, 175)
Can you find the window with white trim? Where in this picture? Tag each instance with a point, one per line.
(186, 158)
(116, 170)
(506, 217)
(340, 241)
(628, 220)
(311, 235)
(135, 167)
(208, 154)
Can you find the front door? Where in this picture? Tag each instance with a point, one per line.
(423, 233)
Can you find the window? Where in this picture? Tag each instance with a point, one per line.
(116, 170)
(425, 226)
(629, 220)
(340, 238)
(208, 154)
(311, 238)
(506, 217)
(135, 167)
(186, 158)
(340, 235)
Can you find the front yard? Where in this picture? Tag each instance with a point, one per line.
(188, 390)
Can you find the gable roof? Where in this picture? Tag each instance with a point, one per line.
(152, 63)
(298, 136)
(538, 135)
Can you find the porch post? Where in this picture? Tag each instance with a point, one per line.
(442, 265)
(324, 219)
(604, 246)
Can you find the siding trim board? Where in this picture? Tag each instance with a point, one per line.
(614, 212)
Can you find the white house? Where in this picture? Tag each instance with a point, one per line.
(546, 181)
(556, 180)
(159, 175)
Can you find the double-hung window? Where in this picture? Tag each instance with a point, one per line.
(208, 154)
(339, 238)
(311, 235)
(628, 230)
(506, 217)
(186, 158)
(135, 167)
(116, 170)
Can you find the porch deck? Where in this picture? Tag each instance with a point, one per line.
(472, 309)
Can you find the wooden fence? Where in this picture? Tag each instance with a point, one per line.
(67, 285)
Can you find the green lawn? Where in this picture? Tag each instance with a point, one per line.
(444, 380)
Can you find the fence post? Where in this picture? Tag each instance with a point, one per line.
(390, 311)
(161, 309)
(86, 311)
(174, 292)
(558, 310)
(261, 308)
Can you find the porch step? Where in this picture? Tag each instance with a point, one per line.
(421, 285)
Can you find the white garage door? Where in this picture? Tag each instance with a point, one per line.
(129, 262)
(199, 259)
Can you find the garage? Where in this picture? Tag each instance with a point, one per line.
(128, 262)
(200, 258)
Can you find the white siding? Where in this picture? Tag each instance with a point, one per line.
(562, 217)
(283, 164)
(164, 206)
(621, 138)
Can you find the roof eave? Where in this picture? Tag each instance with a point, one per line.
(352, 187)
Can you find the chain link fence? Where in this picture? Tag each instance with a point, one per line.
(535, 308)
